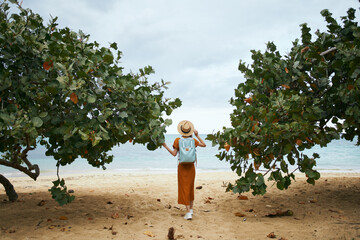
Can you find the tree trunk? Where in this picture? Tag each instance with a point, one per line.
(9, 188)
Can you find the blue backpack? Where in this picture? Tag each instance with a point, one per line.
(187, 151)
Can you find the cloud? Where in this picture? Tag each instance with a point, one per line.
(205, 120)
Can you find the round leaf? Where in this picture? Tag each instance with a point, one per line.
(37, 121)
(91, 99)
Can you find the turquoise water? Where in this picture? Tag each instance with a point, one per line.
(338, 156)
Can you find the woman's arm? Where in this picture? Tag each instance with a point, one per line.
(201, 143)
(172, 152)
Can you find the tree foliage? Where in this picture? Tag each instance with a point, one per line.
(60, 90)
(291, 103)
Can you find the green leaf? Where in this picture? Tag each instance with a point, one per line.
(168, 122)
(121, 105)
(37, 122)
(5, 117)
(91, 99)
(312, 174)
(62, 80)
(284, 166)
(103, 129)
(123, 115)
(83, 135)
(43, 114)
(96, 141)
(311, 181)
(101, 118)
(114, 45)
(151, 146)
(108, 58)
(280, 185)
(291, 159)
(287, 148)
(260, 180)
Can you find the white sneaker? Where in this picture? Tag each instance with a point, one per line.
(188, 216)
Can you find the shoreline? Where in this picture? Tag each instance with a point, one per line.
(152, 171)
(140, 174)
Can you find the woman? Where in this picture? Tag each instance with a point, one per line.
(186, 171)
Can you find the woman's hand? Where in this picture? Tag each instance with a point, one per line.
(202, 143)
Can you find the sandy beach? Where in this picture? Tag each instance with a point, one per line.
(144, 206)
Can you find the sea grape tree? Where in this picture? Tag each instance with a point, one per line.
(291, 103)
(60, 90)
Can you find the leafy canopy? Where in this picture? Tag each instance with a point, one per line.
(60, 90)
(291, 103)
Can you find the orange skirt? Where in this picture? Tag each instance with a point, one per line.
(186, 183)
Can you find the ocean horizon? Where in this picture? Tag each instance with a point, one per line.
(338, 156)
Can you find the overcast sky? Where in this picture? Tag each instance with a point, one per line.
(194, 44)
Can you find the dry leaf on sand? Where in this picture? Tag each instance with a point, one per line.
(241, 197)
(271, 235)
(238, 214)
(148, 233)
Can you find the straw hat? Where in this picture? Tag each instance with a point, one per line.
(185, 128)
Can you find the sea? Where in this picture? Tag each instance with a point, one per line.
(338, 156)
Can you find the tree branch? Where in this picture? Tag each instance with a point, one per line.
(9, 188)
(294, 170)
(327, 51)
(276, 159)
(27, 171)
(25, 151)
